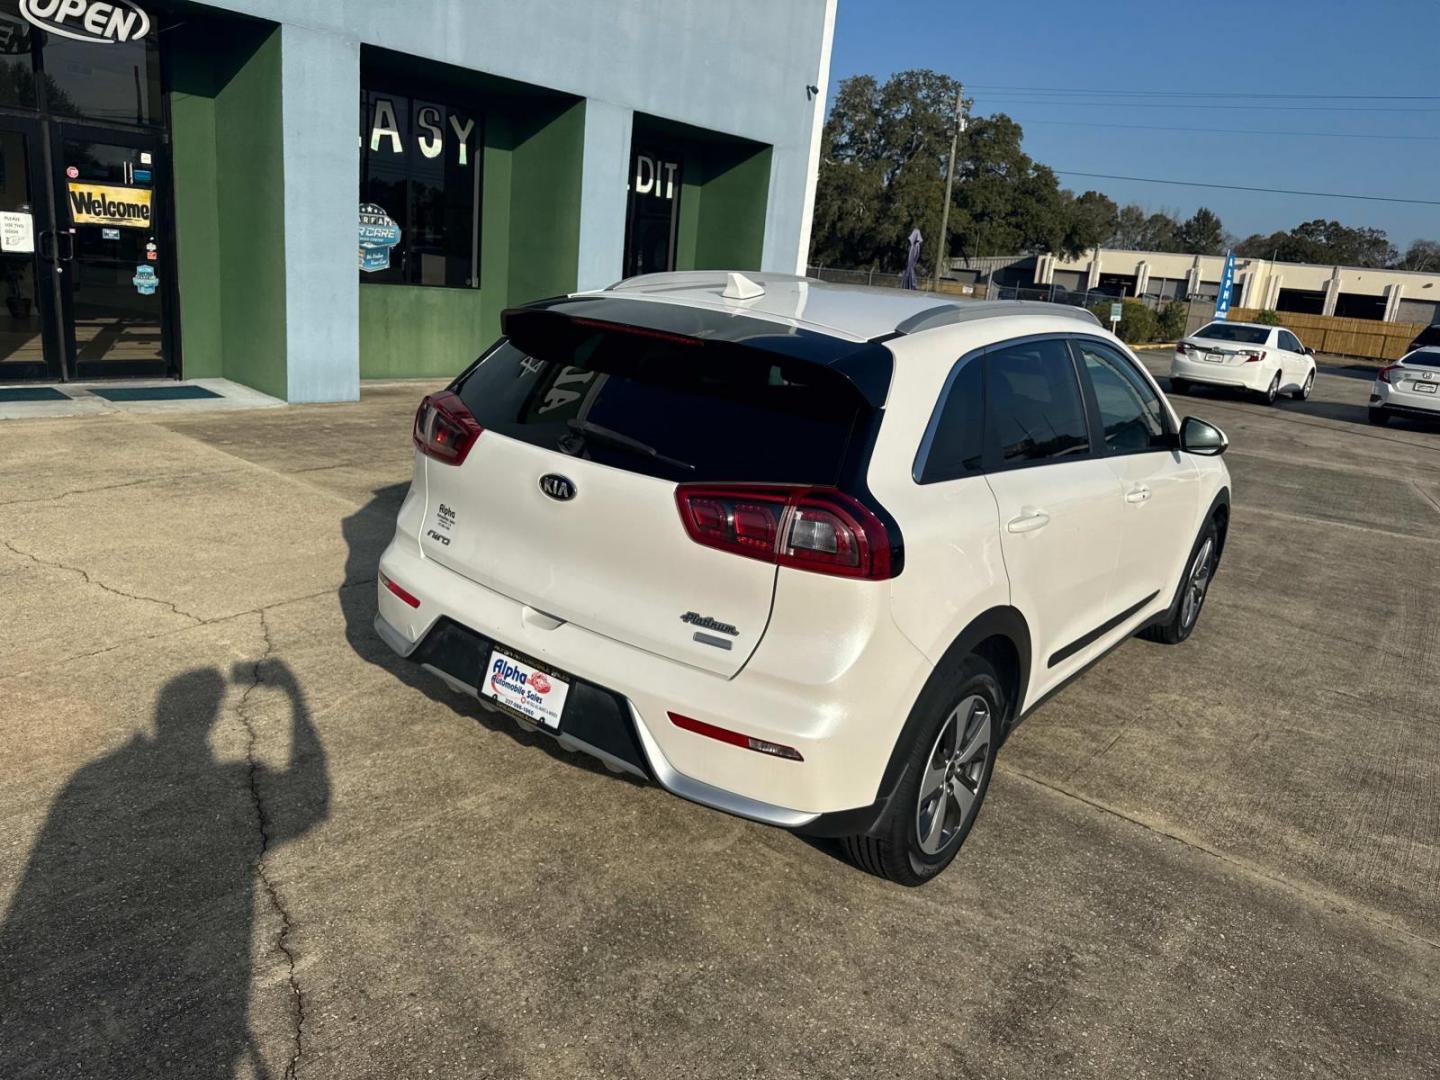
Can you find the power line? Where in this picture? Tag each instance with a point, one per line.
(1237, 131)
(1241, 187)
(1206, 93)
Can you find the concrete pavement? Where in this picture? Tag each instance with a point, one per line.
(238, 839)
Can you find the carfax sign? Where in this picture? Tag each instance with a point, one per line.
(378, 236)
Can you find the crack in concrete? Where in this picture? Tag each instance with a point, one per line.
(90, 580)
(1332, 901)
(114, 487)
(282, 941)
(140, 640)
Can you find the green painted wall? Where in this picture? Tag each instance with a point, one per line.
(229, 204)
(724, 191)
(529, 245)
(732, 215)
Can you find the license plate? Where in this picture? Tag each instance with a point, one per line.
(534, 693)
(1425, 387)
(1215, 357)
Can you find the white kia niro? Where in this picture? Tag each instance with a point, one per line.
(799, 552)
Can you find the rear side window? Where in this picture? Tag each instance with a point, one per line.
(1130, 411)
(1033, 407)
(1244, 335)
(1289, 342)
(957, 444)
(656, 405)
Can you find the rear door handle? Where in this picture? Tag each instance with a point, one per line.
(1029, 520)
(1138, 494)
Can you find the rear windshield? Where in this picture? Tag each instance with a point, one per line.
(1244, 335)
(665, 408)
(1428, 358)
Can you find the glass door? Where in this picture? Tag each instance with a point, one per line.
(110, 252)
(29, 336)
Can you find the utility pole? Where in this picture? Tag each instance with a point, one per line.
(950, 183)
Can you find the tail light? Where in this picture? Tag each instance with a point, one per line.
(817, 529)
(734, 738)
(445, 429)
(1384, 373)
(1183, 348)
(1254, 357)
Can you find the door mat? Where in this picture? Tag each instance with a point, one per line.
(31, 393)
(154, 393)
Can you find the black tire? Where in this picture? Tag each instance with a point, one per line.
(894, 848)
(1379, 417)
(1303, 394)
(1180, 621)
(1269, 396)
(1179, 386)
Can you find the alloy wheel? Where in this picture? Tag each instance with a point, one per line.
(1309, 385)
(1274, 391)
(1198, 583)
(954, 772)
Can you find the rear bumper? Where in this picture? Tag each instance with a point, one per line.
(845, 729)
(1245, 376)
(1385, 396)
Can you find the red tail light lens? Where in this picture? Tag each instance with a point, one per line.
(1254, 357)
(445, 429)
(734, 738)
(1183, 347)
(1384, 373)
(817, 529)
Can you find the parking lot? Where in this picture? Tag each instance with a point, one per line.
(1220, 859)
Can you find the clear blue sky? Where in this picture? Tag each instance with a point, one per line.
(1313, 47)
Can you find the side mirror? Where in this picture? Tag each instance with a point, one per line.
(1199, 437)
(1309, 351)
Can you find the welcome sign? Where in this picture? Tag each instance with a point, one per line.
(105, 204)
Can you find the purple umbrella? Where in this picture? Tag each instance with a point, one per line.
(908, 280)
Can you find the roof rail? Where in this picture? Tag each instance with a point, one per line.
(972, 310)
(698, 279)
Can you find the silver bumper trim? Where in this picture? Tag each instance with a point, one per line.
(392, 637)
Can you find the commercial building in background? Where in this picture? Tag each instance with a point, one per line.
(1399, 296)
(299, 196)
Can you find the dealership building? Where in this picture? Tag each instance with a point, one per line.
(1353, 292)
(299, 194)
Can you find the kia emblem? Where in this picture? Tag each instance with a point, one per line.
(558, 487)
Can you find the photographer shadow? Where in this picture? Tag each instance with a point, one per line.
(126, 950)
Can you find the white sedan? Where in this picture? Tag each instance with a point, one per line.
(1267, 360)
(1409, 388)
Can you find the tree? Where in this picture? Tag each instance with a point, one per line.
(1137, 230)
(1323, 242)
(1201, 234)
(1422, 255)
(884, 153)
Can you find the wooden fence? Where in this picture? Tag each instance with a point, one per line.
(1347, 337)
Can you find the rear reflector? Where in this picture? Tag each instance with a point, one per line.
(398, 591)
(817, 529)
(734, 738)
(445, 429)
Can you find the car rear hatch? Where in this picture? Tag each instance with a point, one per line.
(567, 500)
(1417, 375)
(1224, 352)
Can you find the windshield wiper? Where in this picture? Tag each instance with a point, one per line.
(624, 442)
